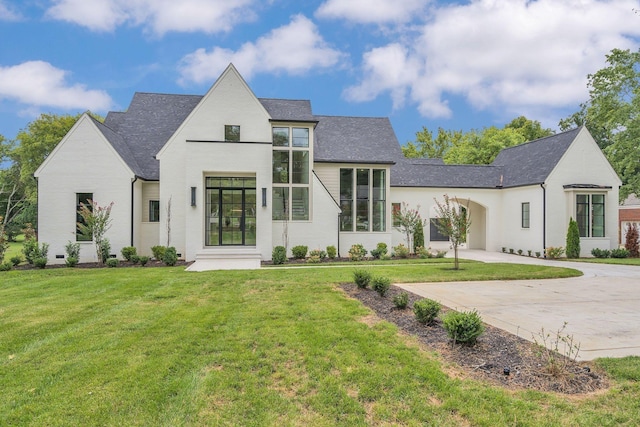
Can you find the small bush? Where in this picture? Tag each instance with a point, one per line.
(519, 251)
(381, 285)
(538, 254)
(143, 260)
(158, 252)
(362, 278)
(619, 253)
(170, 256)
(73, 250)
(319, 253)
(105, 250)
(314, 259)
(279, 255)
(6, 266)
(332, 252)
(423, 252)
(71, 261)
(112, 262)
(529, 252)
(426, 310)
(299, 252)
(40, 262)
(128, 252)
(600, 253)
(511, 251)
(357, 252)
(631, 242)
(15, 260)
(440, 254)
(463, 326)
(134, 259)
(32, 250)
(504, 250)
(554, 252)
(400, 251)
(401, 300)
(380, 250)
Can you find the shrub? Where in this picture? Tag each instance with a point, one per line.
(554, 252)
(144, 260)
(158, 252)
(573, 240)
(538, 254)
(418, 237)
(380, 250)
(401, 300)
(279, 255)
(400, 251)
(423, 252)
(314, 259)
(504, 250)
(463, 327)
(511, 251)
(30, 249)
(332, 252)
(381, 285)
(619, 253)
(319, 253)
(112, 262)
(600, 253)
(362, 278)
(71, 261)
(529, 252)
(15, 260)
(519, 251)
(105, 250)
(440, 254)
(170, 256)
(6, 266)
(557, 351)
(299, 252)
(73, 250)
(128, 252)
(357, 252)
(135, 259)
(426, 310)
(40, 262)
(631, 240)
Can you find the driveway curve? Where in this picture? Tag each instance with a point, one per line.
(601, 308)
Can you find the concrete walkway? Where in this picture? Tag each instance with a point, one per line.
(601, 308)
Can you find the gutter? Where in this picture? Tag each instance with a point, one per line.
(544, 219)
(132, 207)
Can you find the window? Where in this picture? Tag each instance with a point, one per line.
(434, 233)
(82, 199)
(590, 215)
(368, 211)
(525, 215)
(291, 173)
(232, 133)
(154, 210)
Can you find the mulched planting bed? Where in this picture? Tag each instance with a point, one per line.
(494, 350)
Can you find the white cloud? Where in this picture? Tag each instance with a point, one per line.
(157, 16)
(7, 13)
(38, 83)
(372, 11)
(295, 48)
(514, 54)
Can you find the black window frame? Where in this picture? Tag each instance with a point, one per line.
(154, 210)
(86, 199)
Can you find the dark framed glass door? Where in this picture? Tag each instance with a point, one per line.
(231, 212)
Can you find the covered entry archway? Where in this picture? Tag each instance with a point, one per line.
(477, 233)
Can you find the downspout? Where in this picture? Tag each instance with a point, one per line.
(132, 207)
(544, 219)
(339, 221)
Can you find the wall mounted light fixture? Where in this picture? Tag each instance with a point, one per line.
(193, 196)
(264, 197)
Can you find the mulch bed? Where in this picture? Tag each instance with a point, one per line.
(494, 350)
(150, 264)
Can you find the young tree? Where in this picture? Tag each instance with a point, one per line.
(573, 240)
(407, 220)
(4, 241)
(455, 220)
(96, 221)
(631, 240)
(418, 237)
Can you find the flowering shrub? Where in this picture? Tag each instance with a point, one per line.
(554, 252)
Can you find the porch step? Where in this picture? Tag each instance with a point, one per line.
(226, 259)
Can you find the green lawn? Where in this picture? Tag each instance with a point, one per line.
(14, 249)
(619, 261)
(285, 347)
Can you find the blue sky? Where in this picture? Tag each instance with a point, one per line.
(450, 64)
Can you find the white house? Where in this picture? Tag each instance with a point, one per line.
(227, 176)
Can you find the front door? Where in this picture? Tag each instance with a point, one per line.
(231, 212)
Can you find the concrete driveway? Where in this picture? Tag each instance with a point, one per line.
(601, 308)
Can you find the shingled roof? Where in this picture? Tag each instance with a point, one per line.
(521, 165)
(139, 133)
